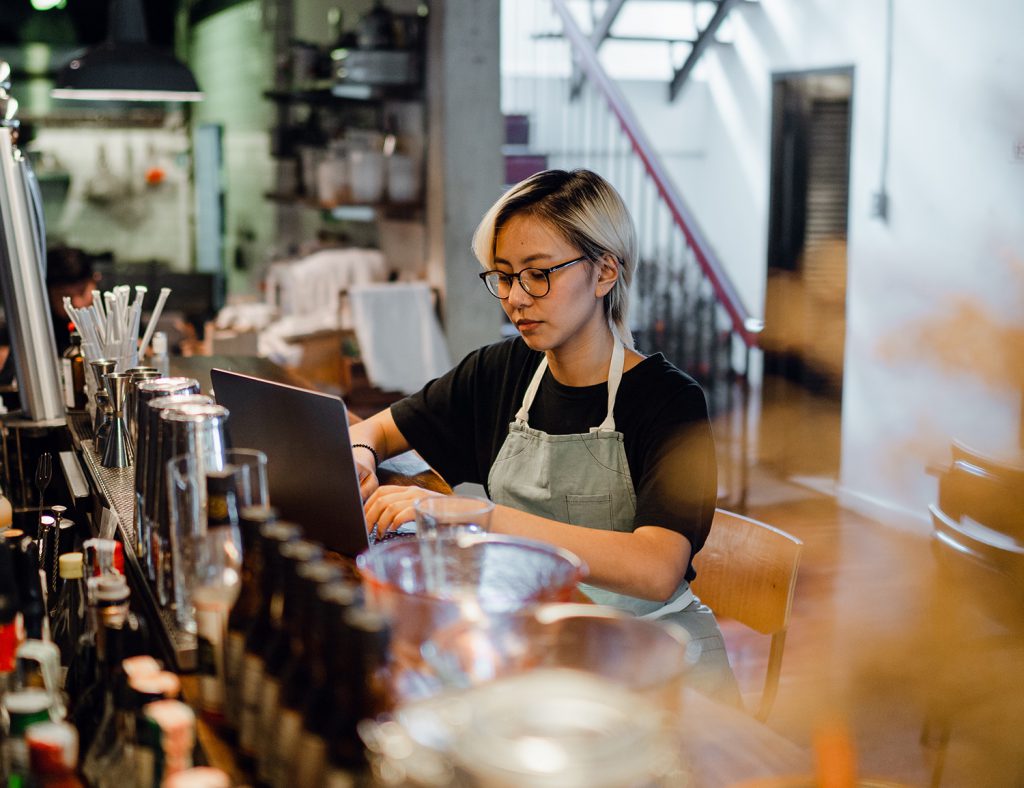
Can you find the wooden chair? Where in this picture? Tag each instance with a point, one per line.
(747, 571)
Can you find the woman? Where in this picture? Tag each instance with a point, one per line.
(581, 441)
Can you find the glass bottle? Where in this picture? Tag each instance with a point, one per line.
(6, 512)
(284, 640)
(246, 607)
(53, 755)
(10, 604)
(33, 608)
(217, 579)
(273, 536)
(329, 664)
(159, 358)
(166, 738)
(297, 674)
(69, 618)
(365, 694)
(98, 719)
(73, 373)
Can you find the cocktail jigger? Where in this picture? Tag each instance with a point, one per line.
(99, 367)
(118, 450)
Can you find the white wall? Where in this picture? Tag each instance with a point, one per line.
(934, 320)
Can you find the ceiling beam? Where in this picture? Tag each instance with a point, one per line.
(704, 38)
(599, 34)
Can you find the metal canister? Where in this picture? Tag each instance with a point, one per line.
(131, 405)
(197, 431)
(154, 487)
(145, 392)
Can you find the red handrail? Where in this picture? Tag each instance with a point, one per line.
(743, 323)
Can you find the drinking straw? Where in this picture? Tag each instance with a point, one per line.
(161, 300)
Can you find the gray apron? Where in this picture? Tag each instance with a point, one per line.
(584, 479)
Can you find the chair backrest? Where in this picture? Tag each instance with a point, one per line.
(747, 571)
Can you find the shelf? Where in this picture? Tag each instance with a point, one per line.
(352, 212)
(329, 92)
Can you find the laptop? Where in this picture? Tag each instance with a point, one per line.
(312, 477)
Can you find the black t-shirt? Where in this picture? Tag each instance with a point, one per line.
(459, 422)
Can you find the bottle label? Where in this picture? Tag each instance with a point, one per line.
(270, 701)
(234, 654)
(252, 677)
(9, 639)
(310, 759)
(282, 762)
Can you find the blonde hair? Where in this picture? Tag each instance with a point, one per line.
(587, 211)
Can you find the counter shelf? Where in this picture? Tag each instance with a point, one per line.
(115, 490)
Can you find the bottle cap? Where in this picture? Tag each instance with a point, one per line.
(110, 590)
(52, 748)
(159, 343)
(72, 566)
(142, 665)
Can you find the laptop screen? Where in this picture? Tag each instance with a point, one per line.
(311, 475)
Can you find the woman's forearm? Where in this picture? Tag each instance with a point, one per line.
(648, 563)
(380, 432)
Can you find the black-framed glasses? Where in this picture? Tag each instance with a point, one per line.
(534, 281)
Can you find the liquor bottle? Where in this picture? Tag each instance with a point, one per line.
(284, 638)
(365, 695)
(246, 608)
(297, 674)
(166, 737)
(73, 371)
(33, 608)
(53, 754)
(10, 605)
(273, 536)
(330, 652)
(24, 707)
(214, 593)
(69, 618)
(94, 714)
(6, 513)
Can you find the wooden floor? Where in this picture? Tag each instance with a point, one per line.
(874, 641)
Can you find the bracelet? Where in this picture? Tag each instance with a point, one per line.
(373, 451)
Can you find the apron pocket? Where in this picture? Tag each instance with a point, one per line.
(593, 511)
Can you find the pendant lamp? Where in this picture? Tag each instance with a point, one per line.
(126, 67)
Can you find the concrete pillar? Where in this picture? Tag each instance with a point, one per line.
(465, 164)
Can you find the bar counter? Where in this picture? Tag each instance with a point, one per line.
(721, 745)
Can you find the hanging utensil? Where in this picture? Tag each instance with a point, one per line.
(44, 473)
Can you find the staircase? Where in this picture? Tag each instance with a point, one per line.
(571, 115)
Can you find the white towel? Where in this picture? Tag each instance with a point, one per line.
(400, 339)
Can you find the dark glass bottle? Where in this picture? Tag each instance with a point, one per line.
(246, 607)
(33, 609)
(284, 639)
(365, 694)
(93, 714)
(73, 373)
(70, 611)
(330, 659)
(297, 674)
(272, 536)
(10, 604)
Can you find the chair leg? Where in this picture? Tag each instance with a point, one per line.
(771, 679)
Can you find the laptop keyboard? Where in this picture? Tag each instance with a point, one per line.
(402, 532)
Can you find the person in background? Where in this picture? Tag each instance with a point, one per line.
(581, 441)
(69, 272)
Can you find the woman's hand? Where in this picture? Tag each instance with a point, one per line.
(392, 505)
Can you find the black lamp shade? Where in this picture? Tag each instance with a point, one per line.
(126, 67)
(128, 71)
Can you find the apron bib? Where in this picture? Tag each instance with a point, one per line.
(581, 479)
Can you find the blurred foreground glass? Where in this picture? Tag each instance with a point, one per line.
(650, 658)
(186, 492)
(452, 515)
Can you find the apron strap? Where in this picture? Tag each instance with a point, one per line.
(531, 391)
(614, 379)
